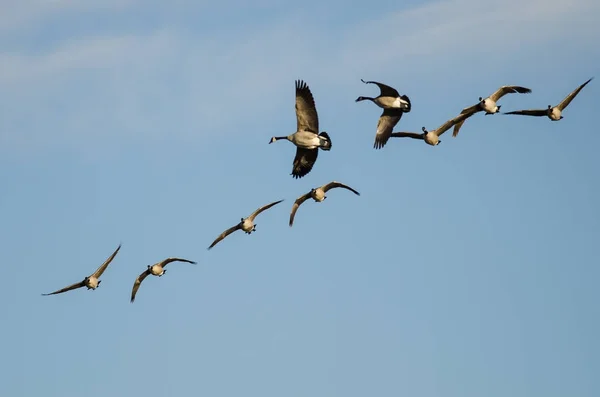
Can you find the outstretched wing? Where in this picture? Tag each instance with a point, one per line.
(137, 283)
(458, 119)
(69, 288)
(297, 204)
(413, 135)
(103, 266)
(306, 111)
(565, 102)
(467, 112)
(387, 121)
(529, 112)
(304, 161)
(385, 90)
(263, 208)
(169, 260)
(508, 89)
(334, 184)
(225, 234)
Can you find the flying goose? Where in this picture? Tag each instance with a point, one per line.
(246, 224)
(318, 195)
(554, 113)
(158, 269)
(307, 138)
(432, 137)
(394, 106)
(91, 282)
(488, 105)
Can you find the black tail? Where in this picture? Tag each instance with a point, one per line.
(407, 99)
(327, 145)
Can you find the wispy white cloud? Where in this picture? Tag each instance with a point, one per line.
(148, 82)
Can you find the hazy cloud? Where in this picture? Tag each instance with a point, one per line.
(146, 82)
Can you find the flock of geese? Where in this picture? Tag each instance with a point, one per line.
(308, 140)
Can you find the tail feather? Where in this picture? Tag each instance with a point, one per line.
(327, 144)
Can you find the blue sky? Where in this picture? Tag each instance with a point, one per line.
(467, 269)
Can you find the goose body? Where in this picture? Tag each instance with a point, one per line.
(489, 105)
(394, 106)
(318, 195)
(92, 281)
(432, 137)
(158, 270)
(388, 98)
(307, 138)
(554, 113)
(247, 225)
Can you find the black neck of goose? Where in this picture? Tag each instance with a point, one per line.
(277, 138)
(365, 98)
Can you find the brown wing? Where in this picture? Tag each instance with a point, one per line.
(387, 121)
(529, 112)
(508, 89)
(137, 283)
(263, 208)
(385, 90)
(565, 102)
(103, 266)
(69, 288)
(413, 135)
(306, 111)
(225, 234)
(169, 260)
(467, 112)
(296, 205)
(458, 119)
(304, 161)
(334, 184)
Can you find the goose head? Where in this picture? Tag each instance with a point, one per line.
(277, 138)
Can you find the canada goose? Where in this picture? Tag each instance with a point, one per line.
(554, 113)
(432, 137)
(246, 224)
(318, 195)
(158, 269)
(488, 105)
(394, 106)
(307, 138)
(91, 282)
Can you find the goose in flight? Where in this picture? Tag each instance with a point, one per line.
(158, 269)
(307, 138)
(554, 113)
(394, 106)
(246, 224)
(318, 195)
(91, 282)
(432, 137)
(488, 105)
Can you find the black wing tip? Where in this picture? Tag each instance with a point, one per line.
(301, 84)
(298, 175)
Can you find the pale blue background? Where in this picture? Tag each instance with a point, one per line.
(469, 269)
